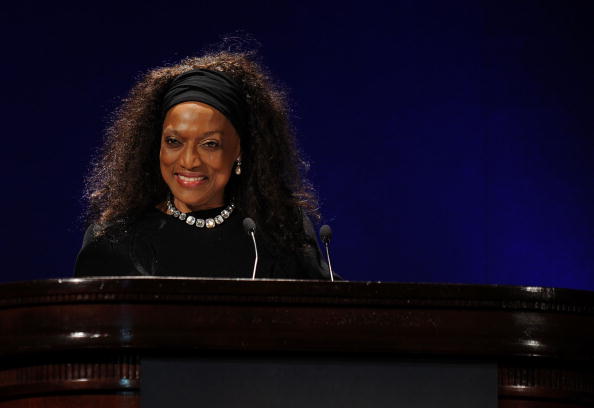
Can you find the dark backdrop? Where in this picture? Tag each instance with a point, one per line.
(450, 141)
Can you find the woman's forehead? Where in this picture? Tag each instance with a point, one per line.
(195, 115)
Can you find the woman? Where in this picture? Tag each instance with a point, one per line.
(193, 150)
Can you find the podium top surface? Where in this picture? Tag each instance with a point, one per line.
(164, 289)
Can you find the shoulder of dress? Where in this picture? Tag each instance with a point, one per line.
(96, 232)
(91, 234)
(119, 229)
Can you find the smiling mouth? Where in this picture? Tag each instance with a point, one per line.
(185, 178)
(190, 181)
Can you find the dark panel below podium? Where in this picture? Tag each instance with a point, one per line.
(316, 383)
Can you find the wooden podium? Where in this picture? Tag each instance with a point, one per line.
(81, 342)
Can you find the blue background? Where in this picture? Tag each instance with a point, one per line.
(450, 141)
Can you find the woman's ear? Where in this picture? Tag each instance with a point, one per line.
(238, 165)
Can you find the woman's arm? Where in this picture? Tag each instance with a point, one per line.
(101, 256)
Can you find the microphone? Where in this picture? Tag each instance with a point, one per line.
(249, 227)
(326, 236)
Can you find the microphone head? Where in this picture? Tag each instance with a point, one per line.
(325, 233)
(249, 225)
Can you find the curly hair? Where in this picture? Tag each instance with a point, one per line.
(125, 179)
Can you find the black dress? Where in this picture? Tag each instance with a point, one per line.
(160, 245)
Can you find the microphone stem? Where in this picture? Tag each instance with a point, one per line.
(329, 263)
(256, 250)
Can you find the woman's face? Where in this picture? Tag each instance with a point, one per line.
(198, 148)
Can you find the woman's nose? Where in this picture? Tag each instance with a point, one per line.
(190, 157)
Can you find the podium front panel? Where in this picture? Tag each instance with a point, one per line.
(315, 382)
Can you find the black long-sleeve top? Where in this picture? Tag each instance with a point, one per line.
(161, 245)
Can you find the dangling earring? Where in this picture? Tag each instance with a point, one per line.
(238, 167)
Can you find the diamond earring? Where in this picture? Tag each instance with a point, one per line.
(238, 167)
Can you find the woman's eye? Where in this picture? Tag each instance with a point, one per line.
(211, 144)
(171, 141)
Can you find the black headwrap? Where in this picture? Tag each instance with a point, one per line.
(212, 88)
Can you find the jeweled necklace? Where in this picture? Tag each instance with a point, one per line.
(199, 222)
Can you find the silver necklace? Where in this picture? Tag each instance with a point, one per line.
(199, 222)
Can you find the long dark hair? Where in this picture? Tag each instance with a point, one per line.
(125, 179)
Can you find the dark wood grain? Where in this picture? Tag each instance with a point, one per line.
(89, 335)
(75, 401)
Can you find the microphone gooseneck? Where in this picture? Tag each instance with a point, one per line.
(326, 236)
(249, 227)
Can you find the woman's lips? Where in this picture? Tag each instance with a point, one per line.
(190, 181)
